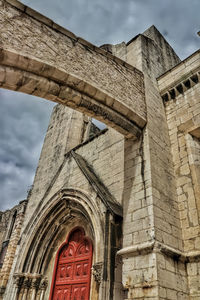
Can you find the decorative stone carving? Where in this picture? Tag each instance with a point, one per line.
(43, 283)
(181, 87)
(27, 282)
(97, 272)
(18, 279)
(35, 284)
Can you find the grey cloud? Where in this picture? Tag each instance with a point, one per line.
(23, 122)
(114, 21)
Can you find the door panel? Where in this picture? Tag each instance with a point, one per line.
(73, 269)
(62, 293)
(79, 292)
(64, 272)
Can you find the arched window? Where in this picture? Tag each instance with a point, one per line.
(72, 270)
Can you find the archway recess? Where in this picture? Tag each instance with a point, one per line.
(41, 58)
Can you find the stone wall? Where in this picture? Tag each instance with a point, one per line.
(14, 220)
(4, 224)
(66, 130)
(104, 153)
(182, 104)
(152, 229)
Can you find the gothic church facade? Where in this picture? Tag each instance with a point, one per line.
(112, 213)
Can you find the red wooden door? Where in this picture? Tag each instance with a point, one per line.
(72, 273)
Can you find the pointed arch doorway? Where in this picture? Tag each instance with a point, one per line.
(72, 270)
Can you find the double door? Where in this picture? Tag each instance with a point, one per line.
(73, 271)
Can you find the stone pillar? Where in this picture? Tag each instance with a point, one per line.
(35, 286)
(26, 286)
(43, 286)
(15, 287)
(18, 282)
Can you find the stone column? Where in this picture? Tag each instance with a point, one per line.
(18, 282)
(26, 286)
(35, 286)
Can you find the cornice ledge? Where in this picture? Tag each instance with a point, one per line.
(180, 87)
(156, 247)
(170, 252)
(193, 256)
(141, 249)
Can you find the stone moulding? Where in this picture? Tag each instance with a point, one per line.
(180, 78)
(51, 87)
(141, 249)
(156, 247)
(181, 87)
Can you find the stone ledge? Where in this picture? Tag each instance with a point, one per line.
(180, 87)
(170, 252)
(156, 247)
(193, 256)
(36, 15)
(103, 131)
(17, 4)
(141, 249)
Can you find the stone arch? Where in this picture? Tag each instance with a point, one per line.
(64, 88)
(56, 65)
(64, 211)
(59, 208)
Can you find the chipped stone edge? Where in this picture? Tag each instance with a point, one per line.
(156, 247)
(43, 19)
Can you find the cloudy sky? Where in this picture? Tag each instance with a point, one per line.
(24, 119)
